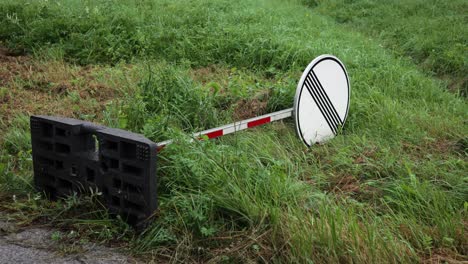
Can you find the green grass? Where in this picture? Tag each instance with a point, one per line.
(432, 33)
(391, 188)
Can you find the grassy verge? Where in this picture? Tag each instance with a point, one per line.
(431, 33)
(391, 188)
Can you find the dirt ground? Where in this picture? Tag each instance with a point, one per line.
(31, 86)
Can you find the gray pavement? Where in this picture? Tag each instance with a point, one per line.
(35, 245)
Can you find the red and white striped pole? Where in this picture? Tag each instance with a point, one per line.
(237, 126)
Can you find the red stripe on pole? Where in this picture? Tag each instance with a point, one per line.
(214, 134)
(159, 148)
(259, 122)
(237, 126)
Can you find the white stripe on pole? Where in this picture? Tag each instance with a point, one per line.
(237, 126)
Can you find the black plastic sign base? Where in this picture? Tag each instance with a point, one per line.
(71, 155)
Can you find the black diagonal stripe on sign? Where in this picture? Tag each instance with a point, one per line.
(326, 103)
(326, 100)
(320, 106)
(332, 107)
(325, 95)
(325, 107)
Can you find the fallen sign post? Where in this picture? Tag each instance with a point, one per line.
(74, 156)
(320, 106)
(237, 126)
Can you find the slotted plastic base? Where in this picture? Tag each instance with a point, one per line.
(71, 155)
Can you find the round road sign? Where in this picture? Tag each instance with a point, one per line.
(322, 100)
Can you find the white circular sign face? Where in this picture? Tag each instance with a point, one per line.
(322, 100)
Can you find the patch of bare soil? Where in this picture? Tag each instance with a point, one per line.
(456, 84)
(244, 108)
(248, 108)
(9, 65)
(445, 256)
(352, 186)
(438, 147)
(241, 247)
(369, 153)
(31, 86)
(346, 184)
(210, 73)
